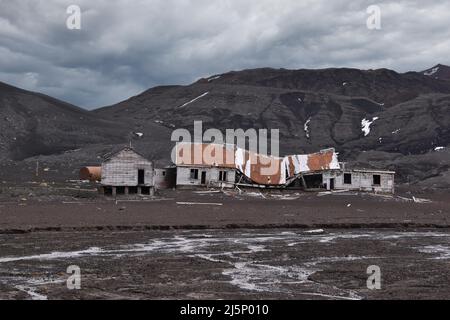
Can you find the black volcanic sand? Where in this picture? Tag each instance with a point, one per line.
(249, 210)
(253, 246)
(226, 264)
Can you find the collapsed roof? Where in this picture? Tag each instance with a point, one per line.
(260, 169)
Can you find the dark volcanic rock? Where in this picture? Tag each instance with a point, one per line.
(35, 124)
(313, 109)
(439, 71)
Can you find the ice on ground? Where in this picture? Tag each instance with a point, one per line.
(442, 251)
(365, 125)
(439, 148)
(193, 100)
(316, 231)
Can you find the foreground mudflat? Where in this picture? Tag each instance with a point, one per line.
(193, 210)
(226, 264)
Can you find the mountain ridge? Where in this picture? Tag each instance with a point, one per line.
(409, 116)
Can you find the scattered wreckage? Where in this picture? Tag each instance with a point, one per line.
(224, 166)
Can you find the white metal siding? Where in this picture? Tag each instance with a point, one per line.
(360, 181)
(212, 176)
(122, 170)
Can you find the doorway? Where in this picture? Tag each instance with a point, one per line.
(332, 184)
(141, 176)
(203, 177)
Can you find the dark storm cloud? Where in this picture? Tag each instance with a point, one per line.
(125, 47)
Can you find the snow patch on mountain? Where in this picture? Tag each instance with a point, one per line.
(431, 72)
(365, 125)
(213, 78)
(306, 128)
(193, 100)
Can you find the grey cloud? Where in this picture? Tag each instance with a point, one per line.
(126, 47)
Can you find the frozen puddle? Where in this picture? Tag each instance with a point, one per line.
(442, 251)
(253, 261)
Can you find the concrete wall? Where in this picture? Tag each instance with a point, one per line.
(122, 170)
(360, 181)
(212, 177)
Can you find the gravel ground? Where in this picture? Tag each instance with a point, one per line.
(215, 245)
(226, 264)
(190, 210)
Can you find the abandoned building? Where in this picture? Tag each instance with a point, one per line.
(227, 166)
(354, 180)
(127, 172)
(197, 176)
(200, 165)
(165, 178)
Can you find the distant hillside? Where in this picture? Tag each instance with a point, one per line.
(34, 124)
(374, 118)
(313, 109)
(439, 71)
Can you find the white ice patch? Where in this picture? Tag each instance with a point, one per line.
(243, 260)
(193, 100)
(139, 134)
(431, 72)
(317, 231)
(213, 78)
(306, 128)
(31, 292)
(442, 251)
(54, 255)
(439, 148)
(365, 125)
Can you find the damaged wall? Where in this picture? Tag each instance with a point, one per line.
(205, 176)
(260, 169)
(360, 180)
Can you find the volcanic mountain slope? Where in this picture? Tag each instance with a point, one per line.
(374, 118)
(402, 114)
(62, 137)
(439, 71)
(35, 124)
(412, 117)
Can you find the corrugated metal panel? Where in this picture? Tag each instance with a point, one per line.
(261, 169)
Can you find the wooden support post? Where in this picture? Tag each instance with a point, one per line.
(114, 191)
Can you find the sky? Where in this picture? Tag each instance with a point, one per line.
(127, 46)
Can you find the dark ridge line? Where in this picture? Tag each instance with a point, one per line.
(381, 225)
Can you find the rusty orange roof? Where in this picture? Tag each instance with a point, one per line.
(261, 169)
